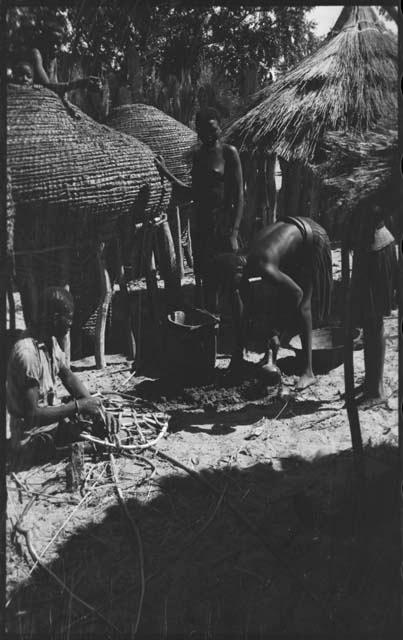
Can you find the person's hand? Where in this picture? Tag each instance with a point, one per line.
(90, 406)
(160, 164)
(233, 240)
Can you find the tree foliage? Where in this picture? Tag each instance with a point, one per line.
(173, 41)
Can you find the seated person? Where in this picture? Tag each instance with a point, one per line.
(35, 362)
(293, 256)
(24, 75)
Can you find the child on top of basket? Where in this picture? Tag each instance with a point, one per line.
(217, 191)
(293, 256)
(24, 74)
(374, 285)
(35, 362)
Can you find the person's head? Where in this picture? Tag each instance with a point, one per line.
(208, 126)
(229, 269)
(23, 74)
(56, 312)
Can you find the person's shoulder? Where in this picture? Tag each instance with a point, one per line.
(230, 152)
(24, 350)
(230, 149)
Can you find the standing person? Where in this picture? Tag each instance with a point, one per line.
(374, 284)
(217, 192)
(293, 257)
(35, 363)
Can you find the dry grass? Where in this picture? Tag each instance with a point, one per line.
(348, 84)
(361, 167)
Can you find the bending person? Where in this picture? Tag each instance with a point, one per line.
(293, 256)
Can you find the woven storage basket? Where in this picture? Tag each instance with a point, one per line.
(72, 178)
(163, 134)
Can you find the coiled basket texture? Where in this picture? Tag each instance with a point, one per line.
(73, 179)
(162, 133)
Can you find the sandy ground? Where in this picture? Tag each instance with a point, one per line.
(272, 547)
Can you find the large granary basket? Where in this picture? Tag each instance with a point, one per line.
(163, 134)
(73, 179)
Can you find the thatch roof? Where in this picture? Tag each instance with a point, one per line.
(159, 131)
(348, 84)
(359, 168)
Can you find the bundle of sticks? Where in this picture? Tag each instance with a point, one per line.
(137, 430)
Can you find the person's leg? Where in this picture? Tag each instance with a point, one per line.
(307, 378)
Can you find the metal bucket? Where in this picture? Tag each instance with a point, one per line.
(327, 347)
(191, 345)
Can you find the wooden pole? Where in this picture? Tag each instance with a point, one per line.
(271, 190)
(351, 406)
(131, 339)
(176, 231)
(27, 286)
(103, 307)
(65, 276)
(152, 286)
(168, 264)
(11, 306)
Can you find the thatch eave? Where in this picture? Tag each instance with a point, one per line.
(348, 84)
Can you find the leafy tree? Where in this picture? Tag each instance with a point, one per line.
(176, 44)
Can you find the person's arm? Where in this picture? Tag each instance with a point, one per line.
(91, 83)
(38, 416)
(286, 285)
(181, 191)
(40, 75)
(238, 199)
(73, 384)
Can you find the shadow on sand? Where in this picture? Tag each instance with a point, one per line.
(292, 565)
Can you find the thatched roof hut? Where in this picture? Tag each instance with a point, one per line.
(348, 84)
(162, 133)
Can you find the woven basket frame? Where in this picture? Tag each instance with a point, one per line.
(162, 133)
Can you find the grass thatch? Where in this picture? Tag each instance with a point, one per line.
(362, 167)
(348, 84)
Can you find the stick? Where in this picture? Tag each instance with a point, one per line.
(245, 520)
(103, 307)
(351, 406)
(69, 517)
(133, 526)
(126, 447)
(27, 534)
